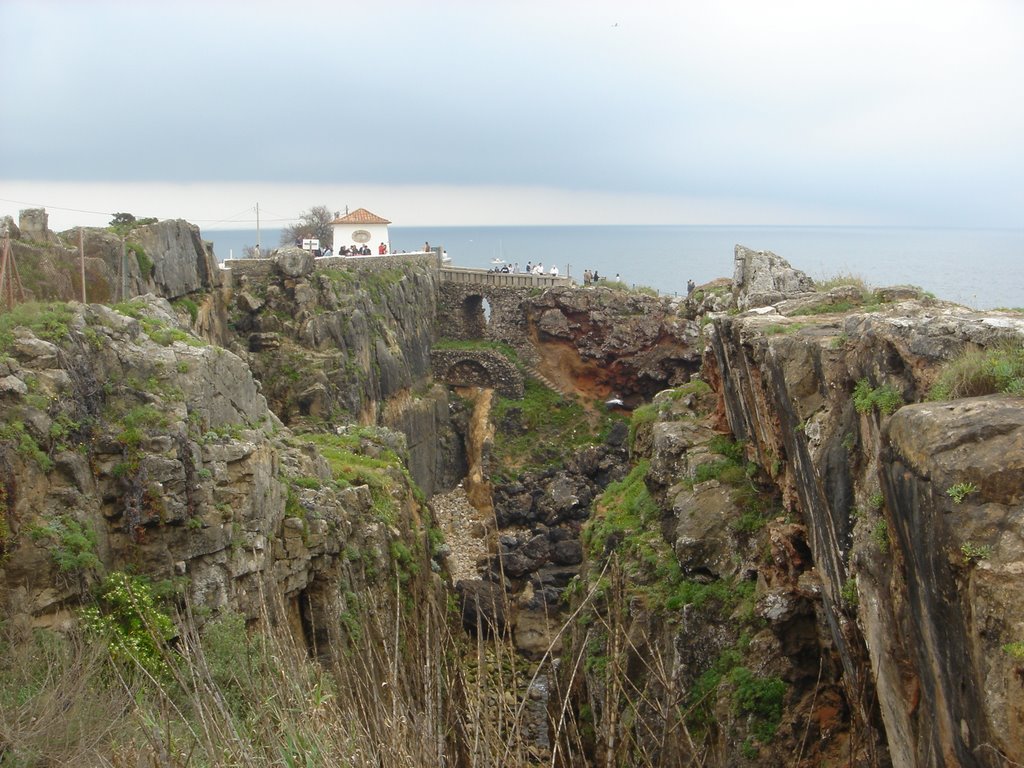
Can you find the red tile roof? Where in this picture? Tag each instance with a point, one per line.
(360, 216)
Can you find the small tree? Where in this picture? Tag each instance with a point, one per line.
(314, 223)
(123, 223)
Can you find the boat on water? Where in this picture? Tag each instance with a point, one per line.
(497, 261)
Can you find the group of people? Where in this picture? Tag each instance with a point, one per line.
(531, 269)
(591, 277)
(360, 250)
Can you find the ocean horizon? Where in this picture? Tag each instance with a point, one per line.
(980, 268)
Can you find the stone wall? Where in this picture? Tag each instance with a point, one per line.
(477, 368)
(463, 314)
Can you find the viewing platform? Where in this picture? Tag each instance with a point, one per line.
(464, 276)
(448, 274)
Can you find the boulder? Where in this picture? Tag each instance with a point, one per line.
(761, 278)
(484, 606)
(293, 262)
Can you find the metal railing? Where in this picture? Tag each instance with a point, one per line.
(466, 276)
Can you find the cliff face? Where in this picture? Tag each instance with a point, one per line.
(613, 343)
(350, 343)
(130, 445)
(918, 591)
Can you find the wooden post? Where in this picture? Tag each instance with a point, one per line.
(124, 272)
(4, 292)
(81, 259)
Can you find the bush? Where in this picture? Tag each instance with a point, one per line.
(999, 368)
(886, 398)
(959, 491)
(71, 544)
(48, 321)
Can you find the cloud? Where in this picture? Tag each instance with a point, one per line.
(806, 105)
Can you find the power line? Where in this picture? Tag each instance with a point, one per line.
(230, 219)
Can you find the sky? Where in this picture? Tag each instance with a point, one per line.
(452, 112)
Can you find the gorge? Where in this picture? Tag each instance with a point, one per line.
(801, 545)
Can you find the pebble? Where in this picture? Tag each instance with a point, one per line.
(464, 532)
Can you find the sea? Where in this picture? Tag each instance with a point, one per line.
(979, 268)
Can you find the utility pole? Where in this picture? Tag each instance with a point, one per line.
(259, 252)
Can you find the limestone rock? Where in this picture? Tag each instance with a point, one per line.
(293, 262)
(762, 277)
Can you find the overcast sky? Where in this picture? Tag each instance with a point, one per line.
(557, 112)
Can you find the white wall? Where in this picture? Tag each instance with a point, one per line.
(343, 235)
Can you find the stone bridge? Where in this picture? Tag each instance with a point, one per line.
(477, 368)
(475, 304)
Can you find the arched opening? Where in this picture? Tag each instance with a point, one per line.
(474, 316)
(469, 373)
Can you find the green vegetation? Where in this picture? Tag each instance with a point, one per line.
(647, 413)
(1016, 650)
(491, 346)
(159, 330)
(759, 699)
(132, 623)
(880, 535)
(351, 467)
(960, 491)
(876, 500)
(71, 544)
(626, 521)
(49, 321)
(974, 552)
(188, 305)
(542, 429)
(849, 593)
(145, 263)
(123, 223)
(842, 280)
(15, 434)
(755, 697)
(886, 399)
(1000, 368)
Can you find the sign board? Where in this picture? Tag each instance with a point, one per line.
(310, 244)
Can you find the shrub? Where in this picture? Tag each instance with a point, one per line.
(1000, 368)
(71, 544)
(974, 552)
(760, 699)
(48, 321)
(886, 398)
(849, 592)
(135, 628)
(880, 535)
(17, 435)
(145, 263)
(959, 491)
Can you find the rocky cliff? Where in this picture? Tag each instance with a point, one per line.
(804, 548)
(819, 398)
(131, 445)
(838, 585)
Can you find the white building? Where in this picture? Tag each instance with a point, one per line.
(361, 228)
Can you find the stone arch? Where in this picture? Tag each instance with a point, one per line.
(473, 318)
(477, 368)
